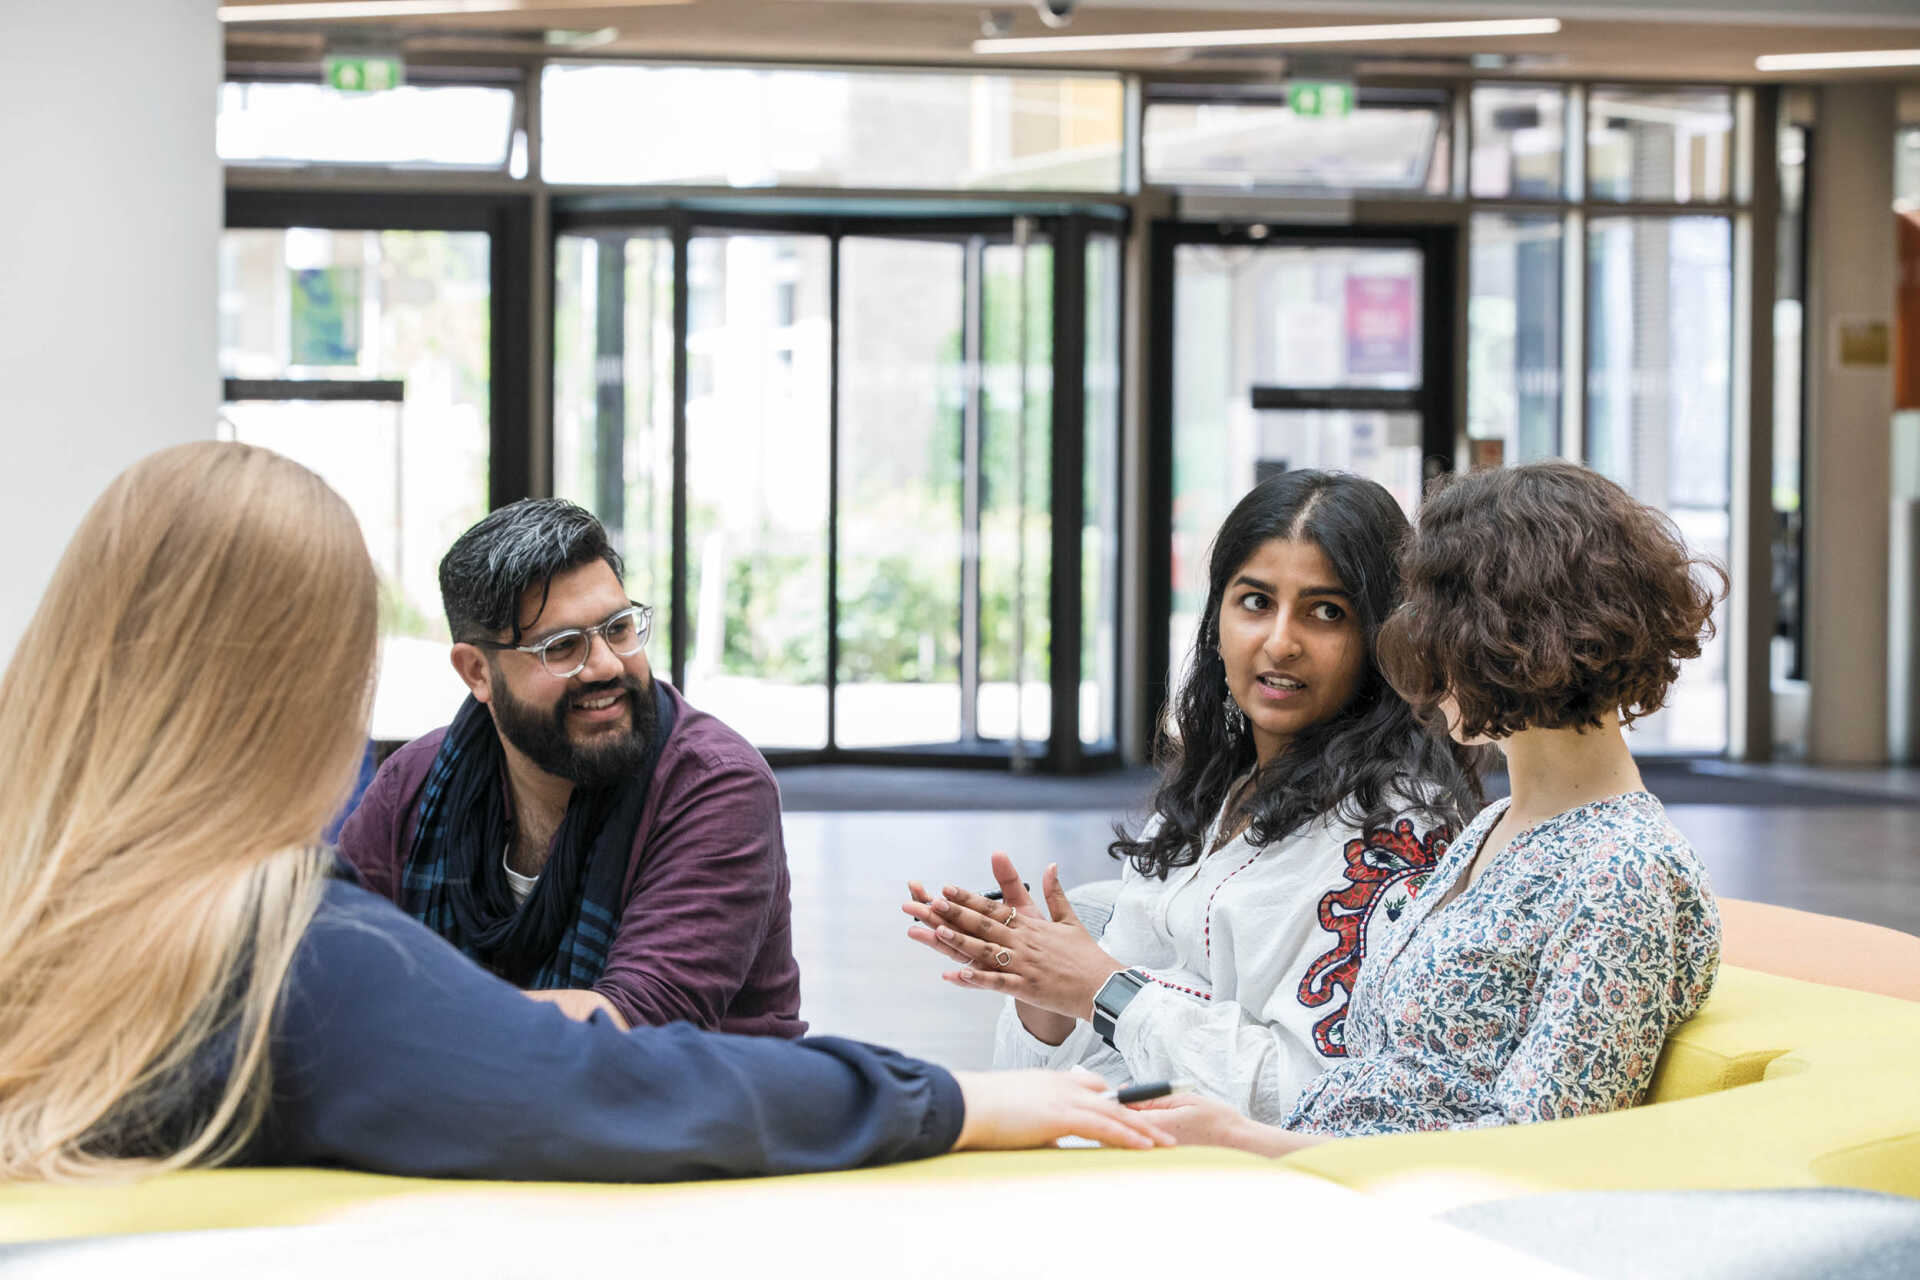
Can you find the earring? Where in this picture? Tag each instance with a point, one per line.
(1236, 718)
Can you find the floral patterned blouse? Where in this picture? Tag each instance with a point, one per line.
(1544, 989)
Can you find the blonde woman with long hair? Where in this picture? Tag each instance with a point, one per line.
(191, 979)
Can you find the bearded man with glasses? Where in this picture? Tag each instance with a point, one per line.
(579, 829)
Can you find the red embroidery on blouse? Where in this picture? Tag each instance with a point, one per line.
(1380, 864)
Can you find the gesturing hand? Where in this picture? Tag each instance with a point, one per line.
(1043, 1025)
(1052, 964)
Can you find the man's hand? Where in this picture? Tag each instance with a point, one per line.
(1054, 965)
(579, 1004)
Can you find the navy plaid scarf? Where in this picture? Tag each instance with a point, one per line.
(456, 885)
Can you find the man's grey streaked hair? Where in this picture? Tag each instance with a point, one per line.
(524, 544)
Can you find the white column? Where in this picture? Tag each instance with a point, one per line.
(1850, 274)
(109, 236)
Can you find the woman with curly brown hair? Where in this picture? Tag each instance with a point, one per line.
(1540, 967)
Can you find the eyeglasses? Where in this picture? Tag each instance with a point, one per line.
(565, 653)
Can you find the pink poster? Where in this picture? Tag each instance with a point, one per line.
(1381, 332)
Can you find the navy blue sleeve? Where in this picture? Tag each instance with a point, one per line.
(394, 1053)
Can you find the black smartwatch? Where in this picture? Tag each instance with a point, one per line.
(1112, 997)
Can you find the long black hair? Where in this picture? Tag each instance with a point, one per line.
(1368, 760)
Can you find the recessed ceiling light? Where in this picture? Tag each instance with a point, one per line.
(1838, 61)
(1273, 36)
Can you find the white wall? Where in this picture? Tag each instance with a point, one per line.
(110, 215)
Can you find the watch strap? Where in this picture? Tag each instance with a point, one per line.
(1112, 999)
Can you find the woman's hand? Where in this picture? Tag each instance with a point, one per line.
(1042, 1024)
(1054, 964)
(1008, 1110)
(1208, 1122)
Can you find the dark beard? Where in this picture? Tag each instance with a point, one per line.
(540, 734)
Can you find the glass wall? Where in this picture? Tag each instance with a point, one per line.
(401, 318)
(1672, 145)
(448, 126)
(830, 127)
(1100, 530)
(613, 403)
(903, 411)
(1513, 334)
(758, 383)
(1659, 413)
(1251, 323)
(1266, 144)
(1016, 469)
(1519, 141)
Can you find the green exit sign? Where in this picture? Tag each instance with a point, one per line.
(365, 72)
(1320, 97)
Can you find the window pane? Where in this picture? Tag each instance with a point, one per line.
(1674, 145)
(902, 413)
(1100, 532)
(1659, 412)
(751, 127)
(1906, 167)
(757, 486)
(1519, 140)
(613, 405)
(1016, 527)
(1245, 317)
(457, 125)
(1513, 335)
(1267, 145)
(405, 305)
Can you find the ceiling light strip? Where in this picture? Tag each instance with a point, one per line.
(1272, 36)
(336, 9)
(1838, 61)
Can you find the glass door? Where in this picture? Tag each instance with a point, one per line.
(1279, 353)
(758, 385)
(856, 481)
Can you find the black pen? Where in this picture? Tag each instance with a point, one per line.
(994, 895)
(1145, 1092)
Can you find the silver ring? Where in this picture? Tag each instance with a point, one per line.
(1011, 917)
(1003, 957)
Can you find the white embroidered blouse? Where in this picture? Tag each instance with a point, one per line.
(1253, 952)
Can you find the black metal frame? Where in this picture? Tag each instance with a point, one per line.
(1438, 245)
(1068, 233)
(508, 222)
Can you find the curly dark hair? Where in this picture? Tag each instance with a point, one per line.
(1543, 596)
(1370, 759)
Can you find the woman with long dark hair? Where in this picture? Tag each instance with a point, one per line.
(1300, 799)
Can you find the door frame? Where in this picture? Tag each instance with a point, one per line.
(1439, 246)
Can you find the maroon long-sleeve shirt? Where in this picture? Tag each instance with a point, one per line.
(706, 936)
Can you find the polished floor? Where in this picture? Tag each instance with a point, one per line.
(1856, 856)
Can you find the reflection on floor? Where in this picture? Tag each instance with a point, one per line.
(862, 977)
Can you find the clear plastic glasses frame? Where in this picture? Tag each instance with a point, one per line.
(564, 653)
